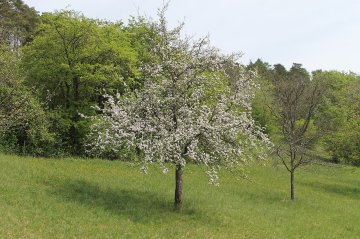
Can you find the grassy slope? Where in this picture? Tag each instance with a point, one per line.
(44, 198)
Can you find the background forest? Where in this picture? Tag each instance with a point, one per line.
(57, 66)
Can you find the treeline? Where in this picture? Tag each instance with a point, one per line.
(334, 128)
(56, 67)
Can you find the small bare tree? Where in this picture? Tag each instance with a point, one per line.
(297, 98)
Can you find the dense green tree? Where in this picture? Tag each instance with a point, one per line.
(72, 61)
(261, 103)
(11, 95)
(17, 23)
(340, 116)
(23, 123)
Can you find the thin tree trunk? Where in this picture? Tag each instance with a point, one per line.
(178, 187)
(74, 129)
(292, 184)
(76, 83)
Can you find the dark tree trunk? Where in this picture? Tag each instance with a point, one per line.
(76, 83)
(178, 187)
(66, 94)
(292, 184)
(74, 131)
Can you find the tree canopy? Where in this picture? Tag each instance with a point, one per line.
(189, 109)
(17, 23)
(72, 61)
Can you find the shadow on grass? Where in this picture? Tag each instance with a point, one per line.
(138, 206)
(340, 189)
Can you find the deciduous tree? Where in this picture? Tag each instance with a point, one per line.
(340, 116)
(12, 96)
(188, 110)
(71, 60)
(296, 101)
(21, 116)
(17, 23)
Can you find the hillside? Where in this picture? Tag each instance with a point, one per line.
(74, 198)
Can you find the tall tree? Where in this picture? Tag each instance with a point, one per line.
(188, 111)
(17, 23)
(21, 116)
(11, 95)
(72, 60)
(264, 94)
(296, 101)
(340, 116)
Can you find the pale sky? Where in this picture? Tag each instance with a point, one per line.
(320, 34)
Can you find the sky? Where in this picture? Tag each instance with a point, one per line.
(320, 34)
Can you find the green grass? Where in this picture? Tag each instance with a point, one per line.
(49, 198)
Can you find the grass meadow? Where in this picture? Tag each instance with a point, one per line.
(77, 198)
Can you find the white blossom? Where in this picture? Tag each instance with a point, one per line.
(189, 109)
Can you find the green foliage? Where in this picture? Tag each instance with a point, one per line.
(336, 121)
(70, 61)
(142, 38)
(17, 23)
(73, 61)
(263, 97)
(340, 116)
(23, 123)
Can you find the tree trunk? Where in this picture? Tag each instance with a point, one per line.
(178, 187)
(74, 129)
(76, 83)
(292, 184)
